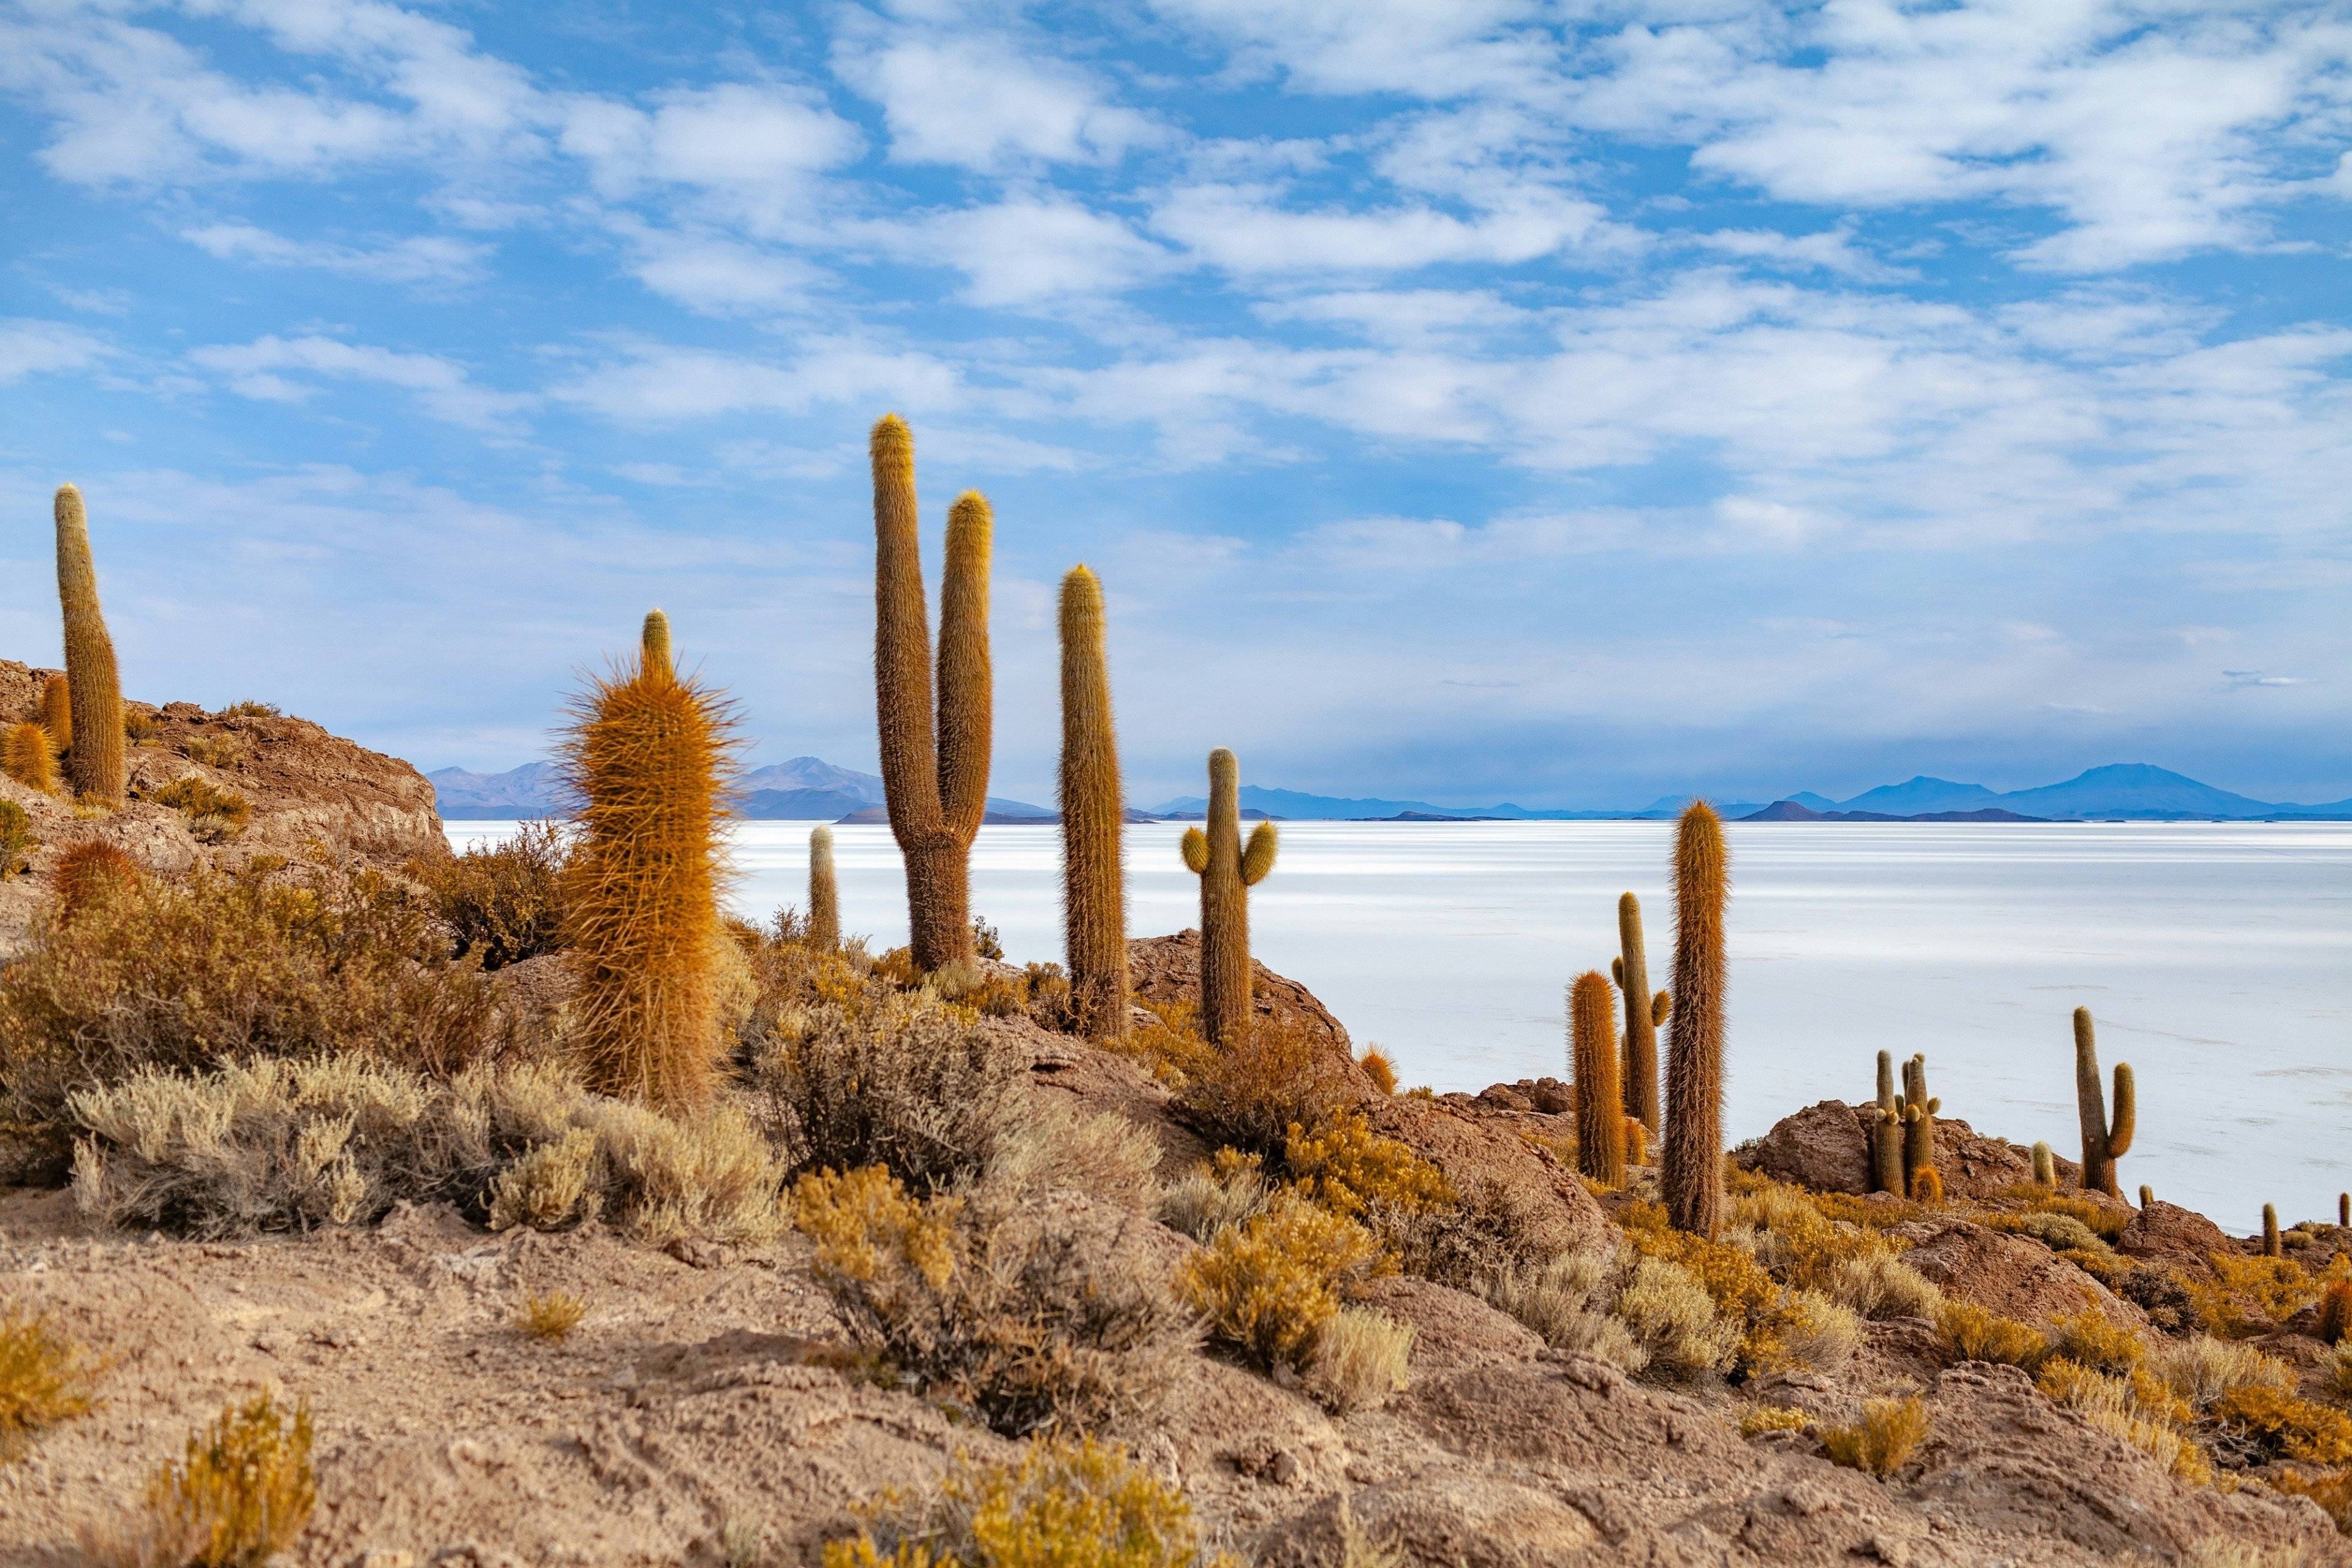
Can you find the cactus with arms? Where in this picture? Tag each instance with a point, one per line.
(2104, 1142)
(1886, 1132)
(1918, 1121)
(934, 780)
(1228, 869)
(1093, 874)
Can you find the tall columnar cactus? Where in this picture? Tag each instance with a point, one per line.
(1094, 817)
(650, 756)
(1887, 1132)
(935, 780)
(1692, 1168)
(824, 893)
(2045, 1166)
(2104, 1142)
(653, 644)
(2343, 1211)
(1601, 1118)
(57, 712)
(1919, 1110)
(2272, 1245)
(1643, 1013)
(27, 757)
(94, 765)
(1227, 869)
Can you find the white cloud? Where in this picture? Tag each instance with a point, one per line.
(1027, 249)
(268, 369)
(1830, 250)
(1249, 229)
(30, 347)
(420, 259)
(659, 385)
(1431, 51)
(759, 145)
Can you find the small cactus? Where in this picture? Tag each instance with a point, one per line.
(1599, 1104)
(1886, 1132)
(1637, 1142)
(1691, 1170)
(89, 873)
(653, 644)
(1094, 817)
(94, 765)
(2104, 1142)
(2045, 1166)
(824, 893)
(2271, 1245)
(1927, 1186)
(2147, 1196)
(27, 756)
(1227, 869)
(2336, 1313)
(57, 712)
(1643, 1013)
(2343, 1211)
(1918, 1118)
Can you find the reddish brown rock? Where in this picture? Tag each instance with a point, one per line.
(1547, 1095)
(2173, 1234)
(1826, 1147)
(2013, 1275)
(1490, 1163)
(1165, 971)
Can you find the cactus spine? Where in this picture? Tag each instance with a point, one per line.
(1692, 1166)
(1644, 1014)
(1601, 1118)
(25, 756)
(1927, 1186)
(650, 757)
(935, 780)
(1093, 873)
(1887, 1132)
(1918, 1124)
(1227, 869)
(824, 893)
(2102, 1142)
(94, 765)
(2045, 1166)
(57, 712)
(2271, 1245)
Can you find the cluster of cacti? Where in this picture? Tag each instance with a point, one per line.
(1228, 869)
(824, 893)
(94, 763)
(2104, 1142)
(1691, 1169)
(1644, 1012)
(649, 756)
(935, 780)
(1601, 1118)
(1094, 818)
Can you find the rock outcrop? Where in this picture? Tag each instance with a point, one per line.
(1826, 1147)
(1165, 971)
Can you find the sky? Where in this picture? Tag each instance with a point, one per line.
(1568, 403)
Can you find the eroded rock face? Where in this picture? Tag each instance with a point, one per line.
(1164, 970)
(2170, 1234)
(2013, 1275)
(1490, 1163)
(315, 797)
(1826, 1148)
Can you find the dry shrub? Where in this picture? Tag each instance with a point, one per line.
(2331, 1490)
(1971, 1333)
(1027, 1327)
(2060, 1232)
(1270, 1286)
(1060, 1504)
(1360, 1358)
(2104, 1220)
(1758, 1419)
(551, 1315)
(1252, 1094)
(2202, 1369)
(2337, 1373)
(1811, 1331)
(2136, 1407)
(214, 751)
(1495, 1225)
(2250, 1296)
(1354, 1171)
(241, 1496)
(1056, 1147)
(1744, 1293)
(1674, 1321)
(213, 813)
(269, 1146)
(1882, 1441)
(2280, 1425)
(1567, 1303)
(1049, 1004)
(1883, 1287)
(1227, 1190)
(17, 839)
(45, 1378)
(186, 976)
(502, 902)
(2091, 1338)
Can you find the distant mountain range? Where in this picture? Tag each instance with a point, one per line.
(810, 789)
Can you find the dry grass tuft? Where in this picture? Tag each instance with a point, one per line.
(1758, 1419)
(551, 1315)
(2091, 1338)
(1972, 1333)
(2250, 1296)
(1567, 1303)
(1674, 1319)
(1251, 1094)
(239, 1498)
(1883, 1287)
(213, 813)
(503, 902)
(2280, 1425)
(1270, 1286)
(1360, 1358)
(1228, 1190)
(45, 1378)
(2202, 1369)
(1882, 1441)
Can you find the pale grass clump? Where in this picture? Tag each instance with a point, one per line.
(550, 1315)
(2202, 1369)
(2222, 1552)
(2134, 1405)
(1567, 1303)
(1970, 1333)
(239, 1498)
(1882, 1441)
(1270, 1286)
(1060, 1503)
(1055, 1147)
(1674, 1320)
(45, 1378)
(213, 814)
(1758, 1419)
(1815, 1331)
(1880, 1287)
(1360, 1358)
(1227, 1190)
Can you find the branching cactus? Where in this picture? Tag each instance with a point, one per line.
(935, 780)
(57, 713)
(824, 893)
(2104, 1142)
(1592, 1049)
(94, 765)
(1886, 1132)
(1918, 1121)
(1692, 1168)
(1643, 1013)
(1094, 817)
(1228, 869)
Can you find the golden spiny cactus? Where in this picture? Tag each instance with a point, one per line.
(650, 756)
(935, 780)
(2104, 1142)
(2045, 1166)
(1919, 1109)
(824, 893)
(94, 765)
(1643, 1013)
(1600, 1103)
(1228, 869)
(1691, 1170)
(1928, 1187)
(1094, 817)
(57, 712)
(653, 644)
(88, 874)
(2147, 1196)
(27, 757)
(2272, 1245)
(1886, 1132)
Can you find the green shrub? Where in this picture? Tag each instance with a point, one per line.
(502, 902)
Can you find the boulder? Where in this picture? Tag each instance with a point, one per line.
(2170, 1234)
(1547, 1095)
(1542, 1202)
(2013, 1275)
(1826, 1148)
(1164, 971)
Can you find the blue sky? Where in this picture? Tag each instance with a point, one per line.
(1568, 403)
